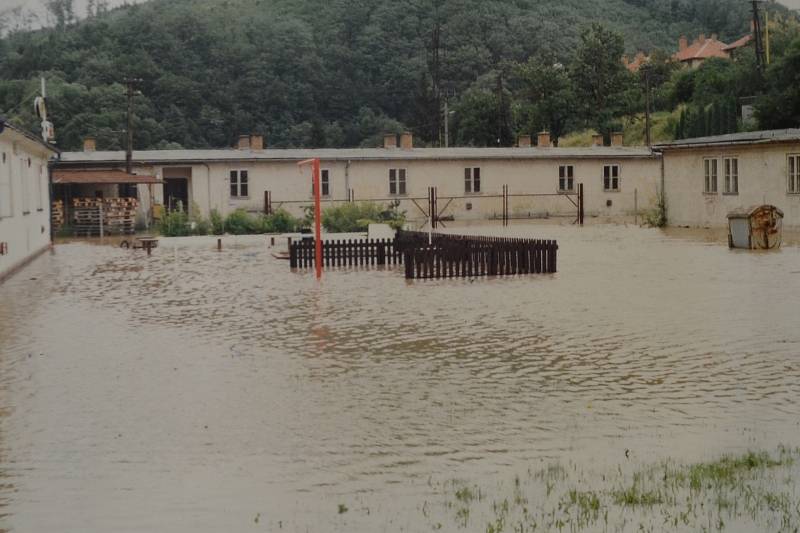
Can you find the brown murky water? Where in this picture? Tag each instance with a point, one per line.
(205, 391)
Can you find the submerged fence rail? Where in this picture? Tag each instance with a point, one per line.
(436, 255)
(351, 252)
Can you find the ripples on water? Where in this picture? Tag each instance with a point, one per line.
(194, 389)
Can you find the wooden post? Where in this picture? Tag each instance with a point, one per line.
(219, 245)
(267, 202)
(636, 206)
(580, 204)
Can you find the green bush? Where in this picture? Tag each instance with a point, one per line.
(174, 224)
(217, 223)
(240, 222)
(354, 217)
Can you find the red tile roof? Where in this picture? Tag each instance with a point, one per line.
(744, 41)
(703, 48)
(94, 177)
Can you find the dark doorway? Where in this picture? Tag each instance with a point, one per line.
(176, 193)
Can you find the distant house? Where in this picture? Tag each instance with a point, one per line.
(706, 178)
(735, 47)
(635, 64)
(695, 54)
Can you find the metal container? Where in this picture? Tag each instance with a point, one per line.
(755, 228)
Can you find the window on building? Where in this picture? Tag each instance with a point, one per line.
(794, 174)
(24, 177)
(472, 179)
(5, 189)
(731, 166)
(397, 181)
(239, 184)
(566, 178)
(324, 182)
(611, 177)
(711, 168)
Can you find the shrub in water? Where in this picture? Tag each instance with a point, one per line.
(357, 217)
(217, 223)
(240, 223)
(174, 224)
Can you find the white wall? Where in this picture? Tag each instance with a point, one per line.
(763, 179)
(209, 185)
(24, 199)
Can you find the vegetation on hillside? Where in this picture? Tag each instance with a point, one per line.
(337, 73)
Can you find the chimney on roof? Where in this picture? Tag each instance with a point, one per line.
(683, 43)
(714, 36)
(89, 144)
(617, 139)
(257, 142)
(390, 140)
(524, 141)
(701, 38)
(244, 142)
(597, 139)
(407, 140)
(544, 140)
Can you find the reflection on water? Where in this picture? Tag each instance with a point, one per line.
(198, 390)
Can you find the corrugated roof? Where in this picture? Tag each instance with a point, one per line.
(96, 177)
(358, 154)
(750, 137)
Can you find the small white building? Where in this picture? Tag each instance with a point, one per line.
(470, 181)
(24, 198)
(706, 178)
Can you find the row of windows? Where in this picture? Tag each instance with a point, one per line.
(730, 166)
(472, 180)
(33, 187)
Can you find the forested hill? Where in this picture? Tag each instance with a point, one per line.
(309, 72)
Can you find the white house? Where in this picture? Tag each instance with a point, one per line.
(24, 198)
(706, 178)
(470, 181)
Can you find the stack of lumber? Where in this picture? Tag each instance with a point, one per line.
(57, 215)
(118, 216)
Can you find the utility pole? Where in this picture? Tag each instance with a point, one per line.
(130, 82)
(448, 93)
(757, 36)
(647, 118)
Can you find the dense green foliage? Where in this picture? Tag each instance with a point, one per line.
(342, 72)
(358, 216)
(177, 223)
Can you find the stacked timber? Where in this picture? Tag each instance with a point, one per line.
(57, 215)
(114, 216)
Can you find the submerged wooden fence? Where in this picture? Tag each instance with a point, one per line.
(345, 253)
(464, 256)
(436, 256)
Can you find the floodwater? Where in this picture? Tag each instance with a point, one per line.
(206, 391)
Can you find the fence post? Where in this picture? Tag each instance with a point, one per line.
(580, 204)
(382, 253)
(292, 255)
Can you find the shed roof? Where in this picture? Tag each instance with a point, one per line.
(356, 154)
(95, 177)
(750, 137)
(744, 41)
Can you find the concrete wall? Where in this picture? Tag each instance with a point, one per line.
(209, 185)
(763, 179)
(24, 199)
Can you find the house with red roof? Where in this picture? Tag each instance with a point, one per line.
(700, 50)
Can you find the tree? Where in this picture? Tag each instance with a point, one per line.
(547, 98)
(779, 107)
(599, 76)
(62, 12)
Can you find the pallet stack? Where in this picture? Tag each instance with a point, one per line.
(118, 216)
(57, 215)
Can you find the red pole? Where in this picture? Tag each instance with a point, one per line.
(317, 217)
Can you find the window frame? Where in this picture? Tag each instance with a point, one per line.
(472, 181)
(237, 184)
(611, 177)
(400, 185)
(566, 175)
(711, 177)
(793, 179)
(729, 177)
